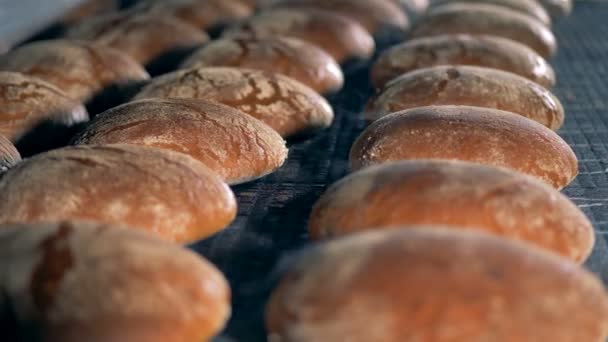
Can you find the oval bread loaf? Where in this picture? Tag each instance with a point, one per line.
(340, 36)
(487, 19)
(235, 146)
(530, 7)
(165, 193)
(28, 102)
(9, 155)
(291, 57)
(470, 86)
(204, 14)
(284, 104)
(81, 69)
(458, 194)
(481, 135)
(435, 285)
(464, 49)
(143, 37)
(379, 17)
(77, 281)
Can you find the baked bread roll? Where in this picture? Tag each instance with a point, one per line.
(286, 105)
(470, 86)
(9, 155)
(292, 57)
(237, 147)
(143, 37)
(457, 194)
(487, 19)
(28, 102)
(530, 7)
(557, 8)
(379, 17)
(77, 281)
(464, 49)
(435, 285)
(81, 69)
(481, 135)
(342, 37)
(165, 193)
(204, 14)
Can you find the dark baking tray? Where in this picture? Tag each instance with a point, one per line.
(273, 211)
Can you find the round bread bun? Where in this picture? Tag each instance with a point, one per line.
(379, 17)
(9, 155)
(464, 49)
(458, 194)
(343, 38)
(286, 105)
(81, 69)
(162, 192)
(235, 146)
(434, 284)
(557, 8)
(481, 135)
(204, 14)
(471, 86)
(27, 102)
(291, 57)
(85, 281)
(143, 37)
(530, 7)
(487, 19)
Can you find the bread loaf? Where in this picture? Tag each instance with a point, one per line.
(530, 7)
(379, 17)
(470, 86)
(341, 37)
(143, 37)
(9, 155)
(237, 147)
(89, 8)
(81, 69)
(481, 135)
(27, 102)
(487, 19)
(557, 8)
(435, 285)
(204, 14)
(292, 57)
(77, 281)
(465, 49)
(457, 194)
(165, 193)
(286, 105)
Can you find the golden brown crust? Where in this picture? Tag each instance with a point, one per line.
(88, 9)
(487, 19)
(340, 36)
(204, 14)
(80, 69)
(143, 37)
(481, 135)
(9, 155)
(435, 285)
(162, 192)
(463, 49)
(529, 7)
(557, 8)
(457, 194)
(377, 16)
(77, 281)
(291, 57)
(27, 102)
(469, 86)
(235, 146)
(286, 105)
